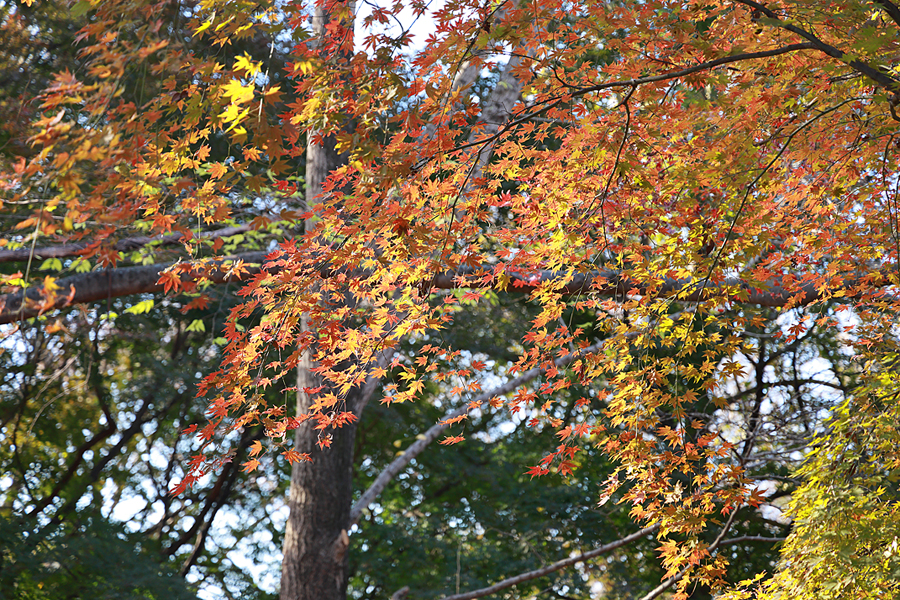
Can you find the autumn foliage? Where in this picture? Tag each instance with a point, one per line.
(672, 169)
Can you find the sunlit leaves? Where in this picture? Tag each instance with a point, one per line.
(666, 166)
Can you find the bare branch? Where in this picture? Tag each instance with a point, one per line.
(752, 538)
(126, 281)
(399, 463)
(666, 584)
(552, 568)
(401, 594)
(105, 284)
(125, 245)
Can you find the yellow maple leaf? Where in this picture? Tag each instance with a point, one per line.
(238, 92)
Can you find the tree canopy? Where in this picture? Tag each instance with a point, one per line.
(692, 206)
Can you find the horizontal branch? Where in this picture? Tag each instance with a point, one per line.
(613, 283)
(106, 284)
(752, 538)
(552, 568)
(416, 448)
(125, 281)
(124, 245)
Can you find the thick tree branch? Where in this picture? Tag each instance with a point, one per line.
(612, 283)
(891, 9)
(125, 245)
(752, 538)
(882, 79)
(416, 448)
(552, 568)
(666, 584)
(126, 281)
(105, 284)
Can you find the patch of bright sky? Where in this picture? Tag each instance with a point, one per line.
(419, 27)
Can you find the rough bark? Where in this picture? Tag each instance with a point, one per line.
(316, 542)
(315, 558)
(116, 283)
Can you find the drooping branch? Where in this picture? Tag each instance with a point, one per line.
(670, 581)
(416, 448)
(369, 386)
(552, 568)
(399, 463)
(124, 245)
(532, 113)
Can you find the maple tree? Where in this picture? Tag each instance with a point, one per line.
(708, 186)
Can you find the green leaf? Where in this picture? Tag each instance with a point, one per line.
(140, 308)
(80, 265)
(196, 325)
(81, 8)
(51, 264)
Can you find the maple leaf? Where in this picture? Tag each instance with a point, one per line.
(238, 92)
(453, 420)
(255, 448)
(170, 281)
(293, 456)
(671, 195)
(203, 152)
(217, 170)
(537, 471)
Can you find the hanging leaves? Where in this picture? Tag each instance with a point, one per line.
(666, 168)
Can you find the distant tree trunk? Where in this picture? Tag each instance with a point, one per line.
(315, 561)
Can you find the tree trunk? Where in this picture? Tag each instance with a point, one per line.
(316, 542)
